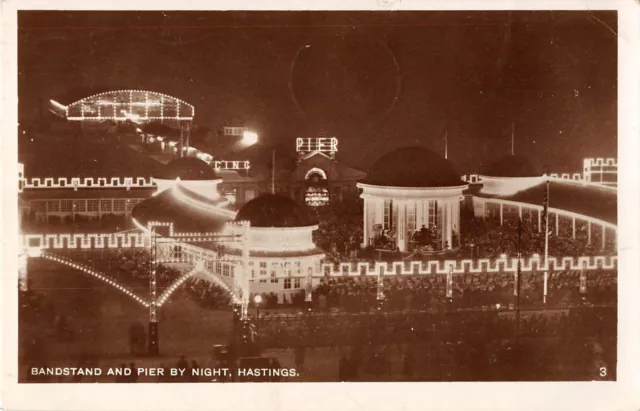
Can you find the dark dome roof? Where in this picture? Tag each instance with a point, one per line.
(270, 210)
(187, 168)
(511, 166)
(413, 167)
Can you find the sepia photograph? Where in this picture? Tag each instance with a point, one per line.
(317, 196)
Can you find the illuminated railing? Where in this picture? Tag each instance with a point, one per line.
(84, 241)
(467, 266)
(100, 276)
(86, 182)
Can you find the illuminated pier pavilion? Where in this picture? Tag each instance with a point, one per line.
(139, 106)
(406, 190)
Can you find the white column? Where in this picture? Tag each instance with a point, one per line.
(589, 236)
(367, 220)
(448, 214)
(500, 213)
(401, 226)
(379, 214)
(419, 214)
(604, 232)
(427, 207)
(539, 221)
(574, 228)
(520, 212)
(557, 233)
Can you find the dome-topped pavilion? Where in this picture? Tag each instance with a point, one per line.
(508, 175)
(193, 173)
(412, 200)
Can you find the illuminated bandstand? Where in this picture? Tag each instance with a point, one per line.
(412, 198)
(283, 257)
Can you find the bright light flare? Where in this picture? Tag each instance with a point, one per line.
(257, 299)
(249, 138)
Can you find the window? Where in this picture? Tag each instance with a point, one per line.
(388, 217)
(118, 206)
(39, 206)
(287, 283)
(80, 205)
(274, 279)
(53, 206)
(296, 283)
(411, 217)
(131, 204)
(433, 213)
(66, 206)
(263, 268)
(226, 270)
(105, 205)
(92, 205)
(218, 267)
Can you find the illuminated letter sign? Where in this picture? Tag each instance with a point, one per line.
(231, 165)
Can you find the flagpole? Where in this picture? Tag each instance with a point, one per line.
(446, 144)
(513, 132)
(546, 240)
(273, 172)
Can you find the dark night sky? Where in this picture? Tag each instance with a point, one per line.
(378, 81)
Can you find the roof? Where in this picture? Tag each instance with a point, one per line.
(271, 210)
(184, 209)
(511, 166)
(413, 167)
(83, 157)
(187, 168)
(587, 200)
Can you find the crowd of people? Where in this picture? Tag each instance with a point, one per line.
(453, 346)
(487, 238)
(471, 290)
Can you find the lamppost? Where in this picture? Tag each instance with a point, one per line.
(518, 280)
(153, 347)
(258, 300)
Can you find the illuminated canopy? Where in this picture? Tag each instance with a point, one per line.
(134, 105)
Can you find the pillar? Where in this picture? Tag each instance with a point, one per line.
(367, 221)
(589, 234)
(401, 226)
(557, 225)
(539, 221)
(604, 232)
(379, 211)
(520, 212)
(419, 214)
(574, 228)
(448, 211)
(501, 213)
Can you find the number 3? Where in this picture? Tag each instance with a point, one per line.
(603, 371)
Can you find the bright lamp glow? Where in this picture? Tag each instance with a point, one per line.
(249, 138)
(257, 299)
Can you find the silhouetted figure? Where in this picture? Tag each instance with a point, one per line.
(299, 358)
(343, 368)
(409, 363)
(192, 376)
(134, 376)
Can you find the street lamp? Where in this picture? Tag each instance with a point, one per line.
(258, 300)
(249, 138)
